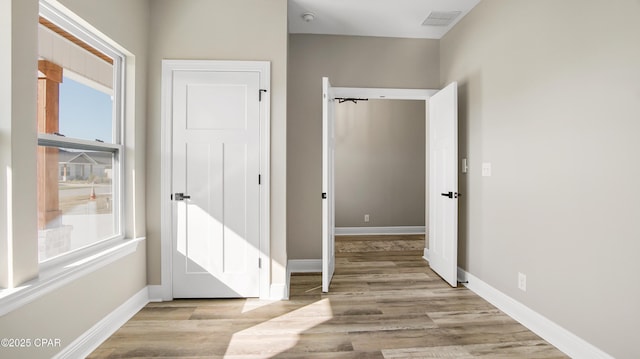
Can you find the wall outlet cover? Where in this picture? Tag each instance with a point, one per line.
(522, 282)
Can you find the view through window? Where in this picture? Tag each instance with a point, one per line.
(78, 144)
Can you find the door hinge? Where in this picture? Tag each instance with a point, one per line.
(324, 195)
(259, 179)
(260, 94)
(259, 262)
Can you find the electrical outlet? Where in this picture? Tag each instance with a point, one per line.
(366, 218)
(522, 282)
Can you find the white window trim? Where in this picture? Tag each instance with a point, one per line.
(67, 21)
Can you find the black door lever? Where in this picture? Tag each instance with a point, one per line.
(181, 196)
(451, 194)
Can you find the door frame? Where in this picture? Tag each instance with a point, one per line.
(165, 290)
(328, 184)
(390, 94)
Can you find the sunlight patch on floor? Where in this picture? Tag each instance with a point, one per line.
(253, 304)
(281, 333)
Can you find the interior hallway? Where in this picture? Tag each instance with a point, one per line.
(384, 302)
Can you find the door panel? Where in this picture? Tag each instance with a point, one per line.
(328, 202)
(443, 183)
(216, 163)
(213, 106)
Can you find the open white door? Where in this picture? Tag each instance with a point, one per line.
(328, 203)
(443, 183)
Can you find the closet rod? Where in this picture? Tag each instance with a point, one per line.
(350, 99)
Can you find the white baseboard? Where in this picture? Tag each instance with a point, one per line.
(304, 266)
(369, 231)
(101, 331)
(561, 338)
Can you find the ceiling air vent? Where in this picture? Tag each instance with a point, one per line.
(441, 18)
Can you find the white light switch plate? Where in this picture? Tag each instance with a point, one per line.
(486, 169)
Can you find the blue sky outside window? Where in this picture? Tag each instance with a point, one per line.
(85, 113)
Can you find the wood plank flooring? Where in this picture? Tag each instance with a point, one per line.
(384, 302)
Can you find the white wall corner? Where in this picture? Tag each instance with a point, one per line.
(369, 231)
(279, 291)
(564, 340)
(157, 293)
(101, 331)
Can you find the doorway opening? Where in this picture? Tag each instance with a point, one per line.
(441, 179)
(380, 168)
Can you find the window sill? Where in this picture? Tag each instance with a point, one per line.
(55, 277)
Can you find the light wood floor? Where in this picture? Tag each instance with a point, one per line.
(383, 304)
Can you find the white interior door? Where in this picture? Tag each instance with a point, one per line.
(443, 183)
(215, 168)
(328, 201)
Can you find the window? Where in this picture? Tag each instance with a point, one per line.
(80, 152)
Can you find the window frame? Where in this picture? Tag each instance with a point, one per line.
(116, 147)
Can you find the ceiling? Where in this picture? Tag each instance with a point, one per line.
(383, 18)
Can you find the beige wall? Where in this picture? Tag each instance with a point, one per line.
(380, 163)
(220, 30)
(349, 61)
(72, 309)
(550, 95)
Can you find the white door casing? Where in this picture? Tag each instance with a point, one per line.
(215, 133)
(328, 196)
(442, 120)
(443, 183)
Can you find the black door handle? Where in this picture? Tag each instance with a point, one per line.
(451, 194)
(181, 196)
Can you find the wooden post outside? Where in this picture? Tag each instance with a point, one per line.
(49, 80)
